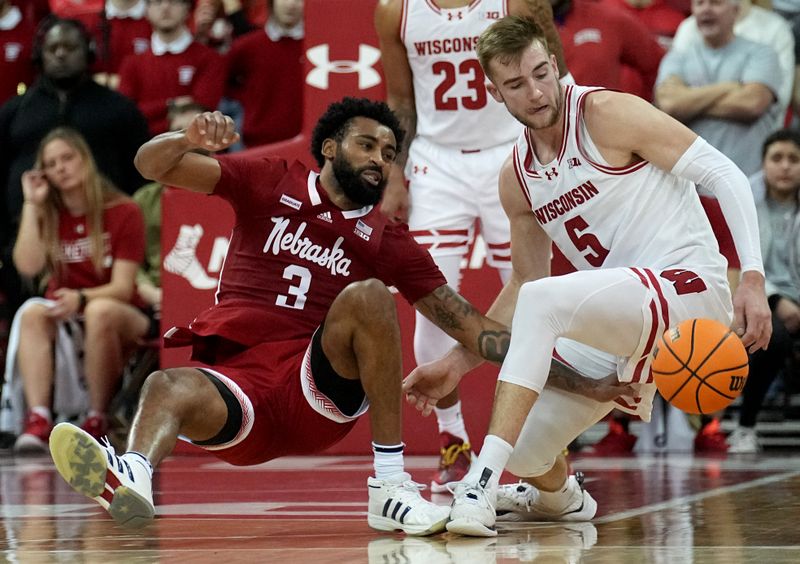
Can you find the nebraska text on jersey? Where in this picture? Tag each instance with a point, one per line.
(302, 247)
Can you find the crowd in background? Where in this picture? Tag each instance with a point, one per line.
(117, 72)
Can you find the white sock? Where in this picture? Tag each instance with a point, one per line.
(558, 499)
(451, 421)
(133, 457)
(491, 462)
(387, 460)
(42, 411)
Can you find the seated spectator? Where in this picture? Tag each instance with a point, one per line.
(760, 26)
(265, 70)
(176, 69)
(64, 93)
(599, 41)
(16, 40)
(87, 238)
(120, 28)
(725, 87)
(779, 227)
(661, 20)
(218, 22)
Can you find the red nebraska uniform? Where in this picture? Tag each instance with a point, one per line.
(123, 235)
(291, 253)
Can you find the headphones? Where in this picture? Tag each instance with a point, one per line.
(49, 23)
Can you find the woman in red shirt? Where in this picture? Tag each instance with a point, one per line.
(86, 240)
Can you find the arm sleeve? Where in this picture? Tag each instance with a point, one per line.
(706, 166)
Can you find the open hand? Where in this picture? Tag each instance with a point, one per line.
(428, 383)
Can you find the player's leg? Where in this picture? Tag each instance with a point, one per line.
(112, 328)
(177, 401)
(361, 340)
(443, 210)
(37, 332)
(572, 306)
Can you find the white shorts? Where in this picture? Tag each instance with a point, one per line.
(449, 190)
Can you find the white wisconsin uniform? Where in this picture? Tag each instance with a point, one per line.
(463, 134)
(646, 258)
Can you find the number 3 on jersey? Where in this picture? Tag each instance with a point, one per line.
(476, 80)
(299, 290)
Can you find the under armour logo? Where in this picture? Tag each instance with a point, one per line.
(319, 56)
(458, 15)
(551, 173)
(422, 169)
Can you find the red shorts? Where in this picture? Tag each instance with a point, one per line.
(277, 419)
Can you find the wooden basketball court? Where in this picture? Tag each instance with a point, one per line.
(670, 509)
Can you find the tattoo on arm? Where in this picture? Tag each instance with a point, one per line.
(493, 345)
(450, 308)
(565, 378)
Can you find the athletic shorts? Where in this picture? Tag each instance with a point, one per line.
(283, 411)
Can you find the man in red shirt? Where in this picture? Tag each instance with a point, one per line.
(304, 335)
(599, 41)
(16, 36)
(176, 69)
(265, 70)
(119, 29)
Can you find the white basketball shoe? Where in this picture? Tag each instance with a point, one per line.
(472, 512)
(122, 489)
(182, 258)
(397, 505)
(520, 502)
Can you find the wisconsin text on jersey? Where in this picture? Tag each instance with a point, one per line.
(302, 247)
(450, 45)
(564, 203)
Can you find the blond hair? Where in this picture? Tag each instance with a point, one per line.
(98, 191)
(506, 40)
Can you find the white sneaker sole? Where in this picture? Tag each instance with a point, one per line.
(470, 528)
(381, 523)
(30, 444)
(83, 464)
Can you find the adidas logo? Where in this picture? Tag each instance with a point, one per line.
(325, 216)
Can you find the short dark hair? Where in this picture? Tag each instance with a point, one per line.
(787, 134)
(335, 122)
(51, 21)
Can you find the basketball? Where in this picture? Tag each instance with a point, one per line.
(700, 366)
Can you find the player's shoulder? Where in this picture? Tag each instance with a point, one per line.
(608, 106)
(387, 14)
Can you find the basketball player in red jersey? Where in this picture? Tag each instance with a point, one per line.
(611, 181)
(458, 137)
(304, 336)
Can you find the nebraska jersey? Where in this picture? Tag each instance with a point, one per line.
(453, 107)
(293, 251)
(602, 216)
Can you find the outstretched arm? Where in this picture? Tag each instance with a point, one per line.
(626, 128)
(170, 158)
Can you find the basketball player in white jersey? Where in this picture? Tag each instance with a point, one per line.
(610, 180)
(436, 86)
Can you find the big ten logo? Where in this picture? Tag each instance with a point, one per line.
(737, 383)
(182, 259)
(319, 76)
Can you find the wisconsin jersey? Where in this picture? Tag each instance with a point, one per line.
(453, 107)
(293, 251)
(601, 216)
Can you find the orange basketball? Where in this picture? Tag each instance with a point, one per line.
(700, 366)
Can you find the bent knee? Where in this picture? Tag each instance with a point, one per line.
(370, 299)
(529, 465)
(183, 382)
